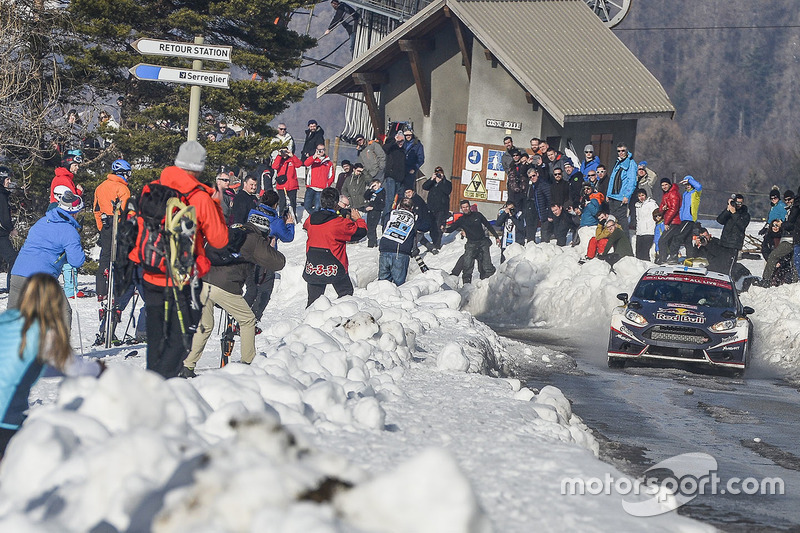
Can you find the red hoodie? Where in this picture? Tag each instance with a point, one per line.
(671, 206)
(210, 222)
(63, 180)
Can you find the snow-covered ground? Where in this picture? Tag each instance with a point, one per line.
(377, 412)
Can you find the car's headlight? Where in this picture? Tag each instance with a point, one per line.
(725, 325)
(635, 317)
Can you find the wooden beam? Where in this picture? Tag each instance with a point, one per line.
(531, 100)
(367, 80)
(413, 48)
(462, 45)
(490, 57)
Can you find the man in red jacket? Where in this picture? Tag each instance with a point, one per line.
(65, 178)
(670, 207)
(318, 176)
(169, 343)
(329, 231)
(285, 165)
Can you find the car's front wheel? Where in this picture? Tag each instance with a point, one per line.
(616, 362)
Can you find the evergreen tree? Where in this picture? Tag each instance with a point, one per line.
(154, 115)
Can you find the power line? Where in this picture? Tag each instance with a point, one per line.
(705, 28)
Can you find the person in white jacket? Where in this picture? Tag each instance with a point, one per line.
(645, 225)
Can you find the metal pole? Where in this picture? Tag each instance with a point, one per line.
(194, 98)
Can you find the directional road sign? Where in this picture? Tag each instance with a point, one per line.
(208, 52)
(208, 78)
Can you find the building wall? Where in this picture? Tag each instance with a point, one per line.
(495, 94)
(449, 98)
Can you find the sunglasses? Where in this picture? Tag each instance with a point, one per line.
(590, 175)
(226, 180)
(281, 129)
(621, 151)
(588, 152)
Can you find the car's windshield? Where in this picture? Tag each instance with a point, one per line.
(706, 295)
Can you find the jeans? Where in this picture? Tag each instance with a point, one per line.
(391, 187)
(311, 201)
(393, 266)
(282, 201)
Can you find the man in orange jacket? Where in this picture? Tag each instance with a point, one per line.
(112, 192)
(168, 343)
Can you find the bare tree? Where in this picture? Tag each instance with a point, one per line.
(29, 81)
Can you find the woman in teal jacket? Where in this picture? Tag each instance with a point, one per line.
(31, 337)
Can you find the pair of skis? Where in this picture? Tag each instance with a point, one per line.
(227, 341)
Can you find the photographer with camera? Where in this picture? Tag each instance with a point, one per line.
(285, 165)
(734, 220)
(439, 189)
(326, 252)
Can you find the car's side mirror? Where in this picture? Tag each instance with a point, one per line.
(747, 310)
(623, 297)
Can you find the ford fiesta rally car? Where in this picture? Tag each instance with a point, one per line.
(679, 313)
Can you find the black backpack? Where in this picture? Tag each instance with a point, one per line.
(230, 254)
(167, 227)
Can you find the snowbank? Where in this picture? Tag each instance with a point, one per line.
(229, 450)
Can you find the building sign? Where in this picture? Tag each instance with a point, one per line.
(503, 124)
(475, 189)
(474, 158)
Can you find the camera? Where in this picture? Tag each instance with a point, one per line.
(703, 240)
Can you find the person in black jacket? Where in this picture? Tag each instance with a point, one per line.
(394, 172)
(7, 230)
(375, 196)
(439, 189)
(348, 17)
(245, 200)
(422, 215)
(315, 136)
(734, 220)
(477, 247)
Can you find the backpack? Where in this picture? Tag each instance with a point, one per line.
(229, 255)
(167, 226)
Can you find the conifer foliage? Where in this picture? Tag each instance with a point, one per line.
(153, 115)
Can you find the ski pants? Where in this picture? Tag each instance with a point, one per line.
(235, 305)
(168, 340)
(643, 245)
(343, 287)
(103, 264)
(7, 254)
(477, 250)
(437, 226)
(282, 195)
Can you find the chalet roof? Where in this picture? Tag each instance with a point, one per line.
(558, 50)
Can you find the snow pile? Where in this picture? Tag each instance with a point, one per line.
(229, 450)
(543, 285)
(776, 326)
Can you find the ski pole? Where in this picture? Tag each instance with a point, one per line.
(77, 314)
(133, 311)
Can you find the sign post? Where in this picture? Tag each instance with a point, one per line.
(196, 76)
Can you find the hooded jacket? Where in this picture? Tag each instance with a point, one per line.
(6, 223)
(326, 252)
(63, 180)
(211, 226)
(254, 251)
(52, 242)
(112, 189)
(690, 203)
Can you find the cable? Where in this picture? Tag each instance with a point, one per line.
(770, 27)
(323, 58)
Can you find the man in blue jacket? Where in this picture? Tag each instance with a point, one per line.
(621, 185)
(52, 242)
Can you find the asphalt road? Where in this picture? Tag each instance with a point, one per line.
(645, 415)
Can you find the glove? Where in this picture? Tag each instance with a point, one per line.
(763, 231)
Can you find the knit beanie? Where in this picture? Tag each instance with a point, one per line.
(191, 156)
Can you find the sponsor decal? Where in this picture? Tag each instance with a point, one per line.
(731, 348)
(680, 314)
(688, 279)
(321, 270)
(687, 306)
(728, 339)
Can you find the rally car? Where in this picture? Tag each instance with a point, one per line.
(680, 313)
